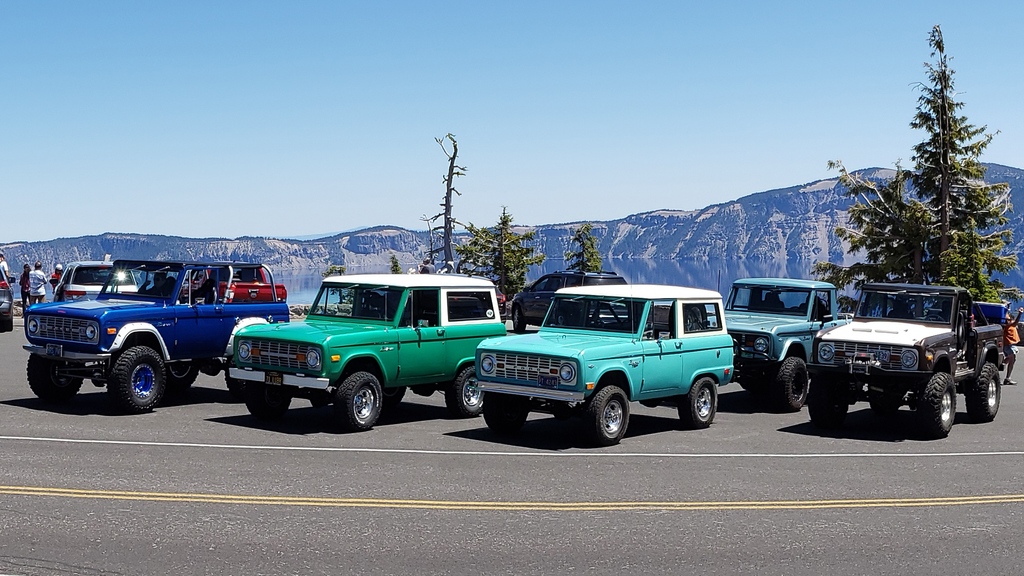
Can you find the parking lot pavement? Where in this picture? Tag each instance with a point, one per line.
(200, 487)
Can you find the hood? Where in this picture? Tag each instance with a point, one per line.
(894, 333)
(561, 344)
(323, 332)
(91, 308)
(749, 322)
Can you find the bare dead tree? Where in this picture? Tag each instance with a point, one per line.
(454, 171)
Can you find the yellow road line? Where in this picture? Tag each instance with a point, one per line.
(330, 502)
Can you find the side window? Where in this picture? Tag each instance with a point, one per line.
(572, 281)
(425, 307)
(702, 317)
(467, 306)
(550, 284)
(660, 321)
(822, 305)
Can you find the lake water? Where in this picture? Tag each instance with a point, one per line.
(718, 276)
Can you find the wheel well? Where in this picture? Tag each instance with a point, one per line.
(615, 378)
(942, 365)
(796, 350)
(992, 355)
(142, 339)
(708, 375)
(363, 364)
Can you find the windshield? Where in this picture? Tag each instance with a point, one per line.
(608, 315)
(154, 280)
(769, 299)
(914, 307)
(356, 301)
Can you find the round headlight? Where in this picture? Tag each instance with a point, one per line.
(33, 326)
(90, 332)
(313, 358)
(826, 352)
(487, 364)
(244, 350)
(761, 344)
(567, 372)
(909, 359)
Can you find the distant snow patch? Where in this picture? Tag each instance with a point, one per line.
(820, 185)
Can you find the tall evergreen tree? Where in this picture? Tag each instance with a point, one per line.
(586, 258)
(951, 180)
(396, 268)
(499, 253)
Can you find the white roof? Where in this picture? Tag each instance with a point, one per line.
(644, 291)
(99, 263)
(412, 280)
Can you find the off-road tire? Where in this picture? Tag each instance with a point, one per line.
(46, 384)
(698, 407)
(358, 401)
(505, 414)
(181, 376)
(518, 320)
(936, 408)
(266, 402)
(462, 398)
(606, 416)
(235, 386)
(827, 405)
(392, 396)
(137, 381)
(790, 386)
(983, 395)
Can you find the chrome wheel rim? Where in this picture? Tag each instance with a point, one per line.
(992, 391)
(142, 381)
(947, 407)
(611, 418)
(363, 403)
(703, 403)
(471, 395)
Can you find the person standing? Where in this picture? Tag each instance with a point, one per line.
(58, 270)
(1010, 340)
(427, 267)
(37, 284)
(25, 287)
(5, 272)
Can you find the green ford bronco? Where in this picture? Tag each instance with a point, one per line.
(366, 340)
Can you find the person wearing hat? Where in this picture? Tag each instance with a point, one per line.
(58, 270)
(5, 272)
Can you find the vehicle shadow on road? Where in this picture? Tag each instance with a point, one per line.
(743, 402)
(198, 395)
(83, 404)
(544, 432)
(868, 426)
(303, 419)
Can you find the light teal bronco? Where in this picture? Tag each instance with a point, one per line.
(602, 347)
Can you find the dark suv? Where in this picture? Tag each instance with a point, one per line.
(531, 305)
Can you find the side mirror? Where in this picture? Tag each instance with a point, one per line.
(421, 323)
(827, 318)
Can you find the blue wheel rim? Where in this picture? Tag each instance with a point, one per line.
(142, 381)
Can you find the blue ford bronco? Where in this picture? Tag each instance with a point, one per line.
(154, 326)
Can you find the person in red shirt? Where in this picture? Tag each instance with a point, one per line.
(1010, 340)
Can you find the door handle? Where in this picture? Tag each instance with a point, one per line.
(679, 345)
(440, 331)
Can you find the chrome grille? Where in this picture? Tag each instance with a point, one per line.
(846, 350)
(525, 368)
(279, 354)
(62, 328)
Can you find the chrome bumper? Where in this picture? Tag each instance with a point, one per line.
(543, 393)
(41, 351)
(286, 379)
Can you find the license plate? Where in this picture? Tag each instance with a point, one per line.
(546, 381)
(857, 368)
(54, 350)
(273, 378)
(882, 355)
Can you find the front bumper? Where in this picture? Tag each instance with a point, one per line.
(864, 371)
(294, 380)
(532, 392)
(50, 352)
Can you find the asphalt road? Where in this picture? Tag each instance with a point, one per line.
(200, 487)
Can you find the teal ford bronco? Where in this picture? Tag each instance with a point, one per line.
(367, 339)
(772, 322)
(602, 347)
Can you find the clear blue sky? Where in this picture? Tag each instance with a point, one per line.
(294, 118)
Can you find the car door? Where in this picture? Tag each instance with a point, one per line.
(421, 339)
(204, 324)
(662, 347)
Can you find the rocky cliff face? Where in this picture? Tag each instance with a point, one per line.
(785, 226)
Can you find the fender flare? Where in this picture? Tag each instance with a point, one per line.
(135, 327)
(229, 351)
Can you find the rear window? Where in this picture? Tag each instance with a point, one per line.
(603, 280)
(466, 306)
(86, 276)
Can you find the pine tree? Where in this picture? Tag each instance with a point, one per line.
(971, 214)
(499, 253)
(396, 268)
(586, 258)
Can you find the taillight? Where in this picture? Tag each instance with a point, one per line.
(4, 285)
(74, 293)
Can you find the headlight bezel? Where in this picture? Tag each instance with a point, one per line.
(826, 352)
(244, 350)
(913, 356)
(567, 372)
(487, 363)
(314, 354)
(761, 344)
(95, 332)
(33, 325)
